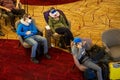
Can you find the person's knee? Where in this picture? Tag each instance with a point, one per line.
(35, 44)
(99, 69)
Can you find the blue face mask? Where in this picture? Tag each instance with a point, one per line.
(53, 11)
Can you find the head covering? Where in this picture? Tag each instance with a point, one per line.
(54, 13)
(77, 40)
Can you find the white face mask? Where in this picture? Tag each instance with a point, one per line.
(29, 20)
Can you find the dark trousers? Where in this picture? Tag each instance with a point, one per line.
(67, 34)
(13, 13)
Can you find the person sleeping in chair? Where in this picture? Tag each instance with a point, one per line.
(58, 26)
(81, 60)
(28, 31)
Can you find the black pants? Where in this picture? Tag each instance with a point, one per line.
(67, 34)
(12, 14)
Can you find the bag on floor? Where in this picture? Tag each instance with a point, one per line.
(90, 74)
(114, 68)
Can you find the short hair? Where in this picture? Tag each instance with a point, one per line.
(25, 16)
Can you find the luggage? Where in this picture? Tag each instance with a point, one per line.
(114, 68)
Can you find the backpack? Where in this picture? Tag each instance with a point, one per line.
(90, 74)
(96, 53)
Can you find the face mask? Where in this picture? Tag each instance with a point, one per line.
(29, 20)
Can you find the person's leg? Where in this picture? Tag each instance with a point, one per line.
(94, 66)
(68, 36)
(12, 19)
(34, 44)
(44, 41)
(67, 33)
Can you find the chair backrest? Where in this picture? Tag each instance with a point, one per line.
(111, 37)
(46, 15)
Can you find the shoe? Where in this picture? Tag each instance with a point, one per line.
(47, 56)
(1, 33)
(33, 59)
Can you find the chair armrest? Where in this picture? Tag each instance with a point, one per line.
(20, 39)
(106, 47)
(26, 45)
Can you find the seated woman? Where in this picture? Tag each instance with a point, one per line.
(28, 31)
(12, 8)
(81, 60)
(58, 26)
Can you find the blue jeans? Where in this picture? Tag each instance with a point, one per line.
(33, 40)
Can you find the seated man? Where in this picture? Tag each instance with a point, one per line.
(58, 26)
(28, 31)
(11, 8)
(82, 61)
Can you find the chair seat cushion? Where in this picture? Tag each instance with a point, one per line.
(115, 52)
(26, 45)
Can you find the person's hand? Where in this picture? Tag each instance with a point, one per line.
(83, 68)
(16, 7)
(56, 34)
(83, 43)
(28, 32)
(79, 45)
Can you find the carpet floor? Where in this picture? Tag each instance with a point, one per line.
(15, 64)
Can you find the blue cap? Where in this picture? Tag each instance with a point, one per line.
(77, 40)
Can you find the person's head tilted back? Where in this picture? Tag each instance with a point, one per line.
(54, 13)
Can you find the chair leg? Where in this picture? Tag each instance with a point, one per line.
(19, 44)
(73, 66)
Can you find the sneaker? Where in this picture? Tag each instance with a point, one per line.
(47, 56)
(1, 33)
(33, 59)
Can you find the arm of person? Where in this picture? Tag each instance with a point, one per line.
(19, 30)
(4, 8)
(64, 21)
(17, 4)
(51, 24)
(34, 28)
(80, 66)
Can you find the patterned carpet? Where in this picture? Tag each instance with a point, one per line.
(15, 64)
